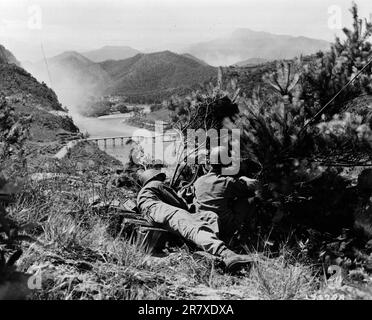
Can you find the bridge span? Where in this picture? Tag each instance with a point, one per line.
(123, 140)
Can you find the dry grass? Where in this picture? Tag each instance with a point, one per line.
(79, 257)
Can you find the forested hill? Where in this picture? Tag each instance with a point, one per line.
(145, 78)
(156, 75)
(29, 97)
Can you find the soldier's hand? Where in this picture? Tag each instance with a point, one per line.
(251, 183)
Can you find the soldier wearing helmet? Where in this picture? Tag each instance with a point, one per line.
(225, 196)
(161, 205)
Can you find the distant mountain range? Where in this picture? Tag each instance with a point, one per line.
(245, 44)
(110, 53)
(143, 78)
(152, 77)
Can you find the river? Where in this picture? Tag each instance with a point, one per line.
(114, 126)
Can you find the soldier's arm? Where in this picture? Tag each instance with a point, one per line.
(244, 187)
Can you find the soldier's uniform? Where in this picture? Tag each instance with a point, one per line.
(161, 205)
(225, 196)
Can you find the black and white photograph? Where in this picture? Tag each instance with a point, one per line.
(185, 156)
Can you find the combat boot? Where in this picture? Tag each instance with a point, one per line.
(235, 262)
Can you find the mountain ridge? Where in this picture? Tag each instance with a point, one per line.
(165, 72)
(143, 77)
(244, 43)
(110, 53)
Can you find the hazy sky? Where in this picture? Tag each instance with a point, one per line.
(157, 24)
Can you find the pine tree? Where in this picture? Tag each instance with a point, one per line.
(331, 71)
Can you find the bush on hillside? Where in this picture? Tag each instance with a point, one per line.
(12, 136)
(13, 132)
(329, 72)
(299, 187)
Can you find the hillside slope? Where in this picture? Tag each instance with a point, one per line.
(156, 75)
(7, 57)
(50, 126)
(29, 97)
(244, 44)
(188, 55)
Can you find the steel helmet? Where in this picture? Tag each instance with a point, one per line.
(150, 175)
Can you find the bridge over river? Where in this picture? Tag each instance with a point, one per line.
(155, 146)
(113, 135)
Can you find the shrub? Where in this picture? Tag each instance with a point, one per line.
(122, 108)
(329, 72)
(12, 136)
(156, 107)
(295, 156)
(13, 132)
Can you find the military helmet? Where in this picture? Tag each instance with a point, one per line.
(150, 175)
(365, 180)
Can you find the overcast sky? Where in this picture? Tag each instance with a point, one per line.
(158, 24)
